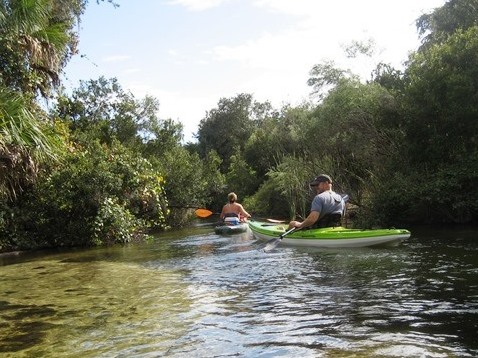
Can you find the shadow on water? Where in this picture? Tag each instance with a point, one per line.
(25, 334)
(194, 293)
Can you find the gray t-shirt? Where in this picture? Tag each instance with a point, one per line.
(328, 202)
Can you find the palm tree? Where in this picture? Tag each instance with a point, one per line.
(34, 46)
(33, 50)
(24, 139)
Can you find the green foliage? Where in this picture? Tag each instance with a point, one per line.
(184, 177)
(325, 76)
(267, 201)
(115, 224)
(23, 127)
(189, 181)
(229, 126)
(440, 204)
(388, 77)
(241, 178)
(442, 101)
(86, 189)
(162, 136)
(357, 136)
(435, 27)
(291, 178)
(35, 44)
(215, 180)
(25, 138)
(101, 109)
(446, 196)
(277, 136)
(38, 38)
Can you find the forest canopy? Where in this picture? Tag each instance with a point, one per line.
(101, 166)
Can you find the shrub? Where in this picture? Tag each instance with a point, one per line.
(96, 195)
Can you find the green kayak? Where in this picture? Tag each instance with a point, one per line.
(330, 236)
(224, 229)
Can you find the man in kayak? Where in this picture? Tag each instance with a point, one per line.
(232, 213)
(327, 207)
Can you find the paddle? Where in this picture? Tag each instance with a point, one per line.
(276, 221)
(273, 243)
(203, 213)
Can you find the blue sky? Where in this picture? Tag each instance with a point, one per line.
(191, 53)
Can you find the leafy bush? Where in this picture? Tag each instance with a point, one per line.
(115, 224)
(447, 195)
(96, 195)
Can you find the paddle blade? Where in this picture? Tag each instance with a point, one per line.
(276, 221)
(203, 213)
(272, 244)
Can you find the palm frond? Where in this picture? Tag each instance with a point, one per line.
(24, 140)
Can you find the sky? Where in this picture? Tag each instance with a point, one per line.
(189, 54)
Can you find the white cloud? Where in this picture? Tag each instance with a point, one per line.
(322, 29)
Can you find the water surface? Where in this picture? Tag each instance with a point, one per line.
(193, 293)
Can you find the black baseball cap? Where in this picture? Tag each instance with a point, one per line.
(321, 178)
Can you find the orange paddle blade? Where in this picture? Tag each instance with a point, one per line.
(203, 213)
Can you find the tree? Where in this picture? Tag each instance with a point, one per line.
(436, 26)
(291, 178)
(229, 126)
(35, 46)
(325, 76)
(32, 45)
(356, 137)
(388, 77)
(240, 177)
(24, 140)
(102, 109)
(37, 39)
(441, 93)
(276, 136)
(440, 122)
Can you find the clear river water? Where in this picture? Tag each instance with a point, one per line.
(192, 293)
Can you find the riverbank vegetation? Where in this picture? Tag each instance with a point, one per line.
(100, 166)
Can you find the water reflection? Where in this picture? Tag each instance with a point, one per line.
(203, 295)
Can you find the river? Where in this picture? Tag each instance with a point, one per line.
(191, 293)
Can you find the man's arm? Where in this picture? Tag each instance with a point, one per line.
(309, 221)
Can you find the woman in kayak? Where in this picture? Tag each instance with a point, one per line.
(233, 212)
(327, 207)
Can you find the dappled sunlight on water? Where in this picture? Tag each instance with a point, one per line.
(204, 295)
(57, 307)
